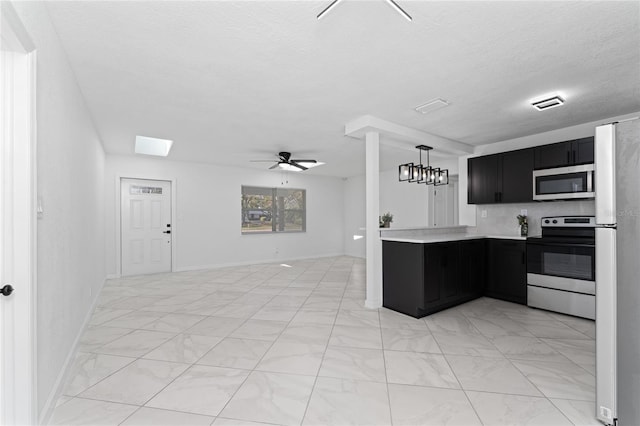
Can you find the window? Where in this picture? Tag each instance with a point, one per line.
(273, 210)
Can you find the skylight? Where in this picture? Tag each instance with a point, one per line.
(152, 146)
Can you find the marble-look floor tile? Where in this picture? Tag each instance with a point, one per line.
(490, 375)
(307, 333)
(96, 336)
(88, 369)
(409, 340)
(322, 302)
(285, 300)
(581, 413)
(315, 316)
(414, 368)
(136, 343)
(200, 390)
(353, 363)
(133, 302)
(358, 318)
(348, 402)
(271, 398)
(275, 313)
(135, 319)
(356, 337)
(154, 417)
(236, 353)
(499, 325)
(416, 405)
(350, 304)
(448, 322)
(135, 383)
(294, 358)
(559, 380)
(184, 348)
(396, 320)
(581, 352)
(221, 421)
(216, 326)
(174, 323)
(501, 409)
(237, 310)
(531, 348)
(82, 412)
(551, 329)
(259, 330)
(466, 344)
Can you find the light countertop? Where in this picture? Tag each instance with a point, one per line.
(455, 236)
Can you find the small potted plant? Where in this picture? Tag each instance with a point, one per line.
(385, 220)
(524, 225)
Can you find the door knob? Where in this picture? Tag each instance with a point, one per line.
(6, 290)
(166, 232)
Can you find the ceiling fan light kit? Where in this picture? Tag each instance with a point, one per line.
(393, 4)
(419, 173)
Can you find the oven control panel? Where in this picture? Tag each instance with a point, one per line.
(569, 221)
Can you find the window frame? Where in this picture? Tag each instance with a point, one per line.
(275, 194)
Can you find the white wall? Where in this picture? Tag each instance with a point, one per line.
(70, 167)
(406, 201)
(468, 212)
(207, 228)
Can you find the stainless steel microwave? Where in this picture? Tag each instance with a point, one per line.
(563, 183)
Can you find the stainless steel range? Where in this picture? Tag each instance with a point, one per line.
(561, 266)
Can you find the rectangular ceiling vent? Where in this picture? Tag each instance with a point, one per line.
(432, 105)
(547, 103)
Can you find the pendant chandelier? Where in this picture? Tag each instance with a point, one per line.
(420, 173)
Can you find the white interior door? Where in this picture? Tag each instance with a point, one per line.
(442, 204)
(17, 224)
(145, 221)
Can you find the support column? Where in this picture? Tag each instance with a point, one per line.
(374, 245)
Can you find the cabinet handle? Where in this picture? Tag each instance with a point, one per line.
(568, 157)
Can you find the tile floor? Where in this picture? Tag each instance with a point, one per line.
(270, 344)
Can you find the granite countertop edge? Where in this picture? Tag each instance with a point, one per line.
(438, 238)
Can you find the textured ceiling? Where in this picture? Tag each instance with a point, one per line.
(232, 81)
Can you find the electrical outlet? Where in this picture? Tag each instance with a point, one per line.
(523, 212)
(483, 213)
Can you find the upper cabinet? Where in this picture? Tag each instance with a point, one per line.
(501, 178)
(564, 154)
(508, 177)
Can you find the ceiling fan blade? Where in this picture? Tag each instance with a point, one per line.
(305, 161)
(300, 166)
(274, 166)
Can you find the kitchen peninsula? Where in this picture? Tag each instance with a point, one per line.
(426, 270)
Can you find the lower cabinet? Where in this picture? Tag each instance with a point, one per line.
(507, 277)
(420, 279)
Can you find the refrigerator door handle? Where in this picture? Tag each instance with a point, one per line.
(605, 175)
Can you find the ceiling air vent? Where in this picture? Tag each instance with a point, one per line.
(547, 103)
(432, 105)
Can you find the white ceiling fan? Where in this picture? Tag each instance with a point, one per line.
(393, 4)
(285, 162)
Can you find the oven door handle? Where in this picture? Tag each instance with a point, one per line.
(540, 243)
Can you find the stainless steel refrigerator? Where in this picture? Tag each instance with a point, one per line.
(617, 185)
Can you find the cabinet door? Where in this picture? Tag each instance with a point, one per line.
(583, 152)
(507, 278)
(554, 155)
(473, 269)
(441, 275)
(517, 176)
(483, 180)
(402, 277)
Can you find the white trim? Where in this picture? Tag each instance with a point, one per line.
(174, 221)
(58, 387)
(18, 375)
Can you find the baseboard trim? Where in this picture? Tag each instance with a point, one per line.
(113, 276)
(255, 262)
(56, 392)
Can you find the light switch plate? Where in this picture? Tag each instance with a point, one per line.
(523, 212)
(483, 213)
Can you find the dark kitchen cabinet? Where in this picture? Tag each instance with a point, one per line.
(501, 178)
(565, 154)
(473, 268)
(485, 179)
(507, 275)
(420, 279)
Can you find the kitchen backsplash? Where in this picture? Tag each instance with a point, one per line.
(501, 218)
